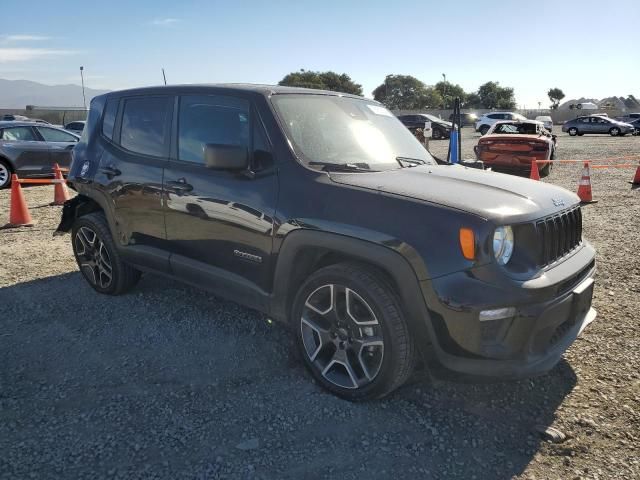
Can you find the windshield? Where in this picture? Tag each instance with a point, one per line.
(517, 128)
(342, 130)
(432, 118)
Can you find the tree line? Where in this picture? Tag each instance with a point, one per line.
(405, 92)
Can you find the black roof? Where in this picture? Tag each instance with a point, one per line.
(266, 90)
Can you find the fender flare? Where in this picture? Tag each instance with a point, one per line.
(387, 259)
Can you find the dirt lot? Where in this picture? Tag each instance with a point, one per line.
(170, 382)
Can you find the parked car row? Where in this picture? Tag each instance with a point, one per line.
(30, 149)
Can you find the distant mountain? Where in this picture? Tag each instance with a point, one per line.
(20, 93)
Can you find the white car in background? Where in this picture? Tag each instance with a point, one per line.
(546, 121)
(486, 121)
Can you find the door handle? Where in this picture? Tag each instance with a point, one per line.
(110, 171)
(180, 185)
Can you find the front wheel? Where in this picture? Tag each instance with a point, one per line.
(614, 132)
(5, 175)
(352, 333)
(573, 131)
(484, 129)
(97, 257)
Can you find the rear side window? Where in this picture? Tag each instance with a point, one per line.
(146, 124)
(18, 134)
(210, 119)
(109, 119)
(53, 135)
(494, 116)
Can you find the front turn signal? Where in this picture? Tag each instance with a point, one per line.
(468, 243)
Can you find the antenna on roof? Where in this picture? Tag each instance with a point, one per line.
(164, 77)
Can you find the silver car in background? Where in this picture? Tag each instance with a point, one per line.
(596, 124)
(30, 150)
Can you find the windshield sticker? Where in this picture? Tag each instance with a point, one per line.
(380, 110)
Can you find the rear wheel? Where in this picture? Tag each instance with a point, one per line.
(614, 131)
(97, 257)
(573, 131)
(5, 175)
(352, 333)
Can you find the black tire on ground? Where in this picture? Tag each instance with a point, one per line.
(5, 174)
(614, 131)
(573, 131)
(93, 229)
(436, 135)
(374, 301)
(484, 129)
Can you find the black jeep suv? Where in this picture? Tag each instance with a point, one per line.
(323, 211)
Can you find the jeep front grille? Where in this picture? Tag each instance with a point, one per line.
(559, 234)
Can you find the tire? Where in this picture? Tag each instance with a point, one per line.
(342, 312)
(5, 174)
(614, 131)
(436, 135)
(573, 131)
(97, 258)
(484, 129)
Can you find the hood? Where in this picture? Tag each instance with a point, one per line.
(490, 195)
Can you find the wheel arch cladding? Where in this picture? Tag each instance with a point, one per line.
(304, 252)
(76, 207)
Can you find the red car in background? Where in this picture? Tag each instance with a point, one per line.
(511, 146)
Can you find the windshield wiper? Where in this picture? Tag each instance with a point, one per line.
(342, 167)
(412, 161)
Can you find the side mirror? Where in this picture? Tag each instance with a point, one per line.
(225, 157)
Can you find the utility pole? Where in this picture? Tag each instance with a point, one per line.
(84, 99)
(164, 77)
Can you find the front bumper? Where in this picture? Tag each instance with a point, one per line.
(551, 312)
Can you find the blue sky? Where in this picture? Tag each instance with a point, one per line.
(586, 47)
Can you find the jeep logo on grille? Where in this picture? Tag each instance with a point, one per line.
(558, 202)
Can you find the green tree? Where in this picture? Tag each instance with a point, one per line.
(492, 95)
(322, 81)
(404, 92)
(555, 95)
(472, 100)
(448, 91)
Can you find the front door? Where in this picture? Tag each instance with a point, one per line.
(30, 155)
(220, 223)
(137, 132)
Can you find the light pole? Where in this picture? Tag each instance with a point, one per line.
(84, 99)
(444, 92)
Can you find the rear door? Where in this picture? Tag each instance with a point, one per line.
(30, 155)
(220, 223)
(136, 132)
(60, 145)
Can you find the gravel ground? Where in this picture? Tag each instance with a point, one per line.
(171, 382)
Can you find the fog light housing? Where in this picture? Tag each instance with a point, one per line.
(497, 314)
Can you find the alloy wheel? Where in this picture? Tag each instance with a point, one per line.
(93, 257)
(341, 336)
(4, 175)
(614, 132)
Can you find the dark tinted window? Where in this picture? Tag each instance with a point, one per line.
(109, 119)
(494, 116)
(18, 134)
(53, 135)
(146, 124)
(210, 119)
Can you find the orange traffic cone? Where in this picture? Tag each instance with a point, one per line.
(636, 180)
(584, 187)
(535, 174)
(60, 192)
(19, 215)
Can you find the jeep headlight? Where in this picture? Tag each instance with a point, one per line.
(503, 244)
